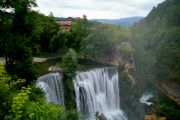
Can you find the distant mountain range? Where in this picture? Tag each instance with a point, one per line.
(129, 21)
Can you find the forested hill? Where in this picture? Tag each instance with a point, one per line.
(129, 21)
(158, 35)
(156, 40)
(165, 14)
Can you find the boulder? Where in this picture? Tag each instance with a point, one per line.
(55, 69)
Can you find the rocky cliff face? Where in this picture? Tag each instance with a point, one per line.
(170, 89)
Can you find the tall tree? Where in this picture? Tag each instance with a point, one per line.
(17, 48)
(78, 33)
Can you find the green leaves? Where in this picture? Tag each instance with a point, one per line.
(4, 79)
(105, 39)
(170, 112)
(157, 42)
(78, 33)
(126, 48)
(58, 42)
(18, 102)
(42, 111)
(69, 64)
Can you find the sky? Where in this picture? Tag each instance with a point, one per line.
(97, 9)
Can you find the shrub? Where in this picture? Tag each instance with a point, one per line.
(69, 64)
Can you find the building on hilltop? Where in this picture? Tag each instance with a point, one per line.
(65, 22)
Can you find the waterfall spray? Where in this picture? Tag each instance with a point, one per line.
(97, 90)
(52, 86)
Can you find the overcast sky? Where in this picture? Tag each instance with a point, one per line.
(108, 9)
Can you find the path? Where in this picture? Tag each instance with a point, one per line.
(38, 60)
(2, 61)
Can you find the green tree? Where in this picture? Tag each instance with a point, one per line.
(69, 64)
(156, 42)
(50, 29)
(7, 89)
(5, 25)
(78, 33)
(16, 46)
(58, 42)
(4, 92)
(28, 103)
(18, 102)
(105, 39)
(44, 29)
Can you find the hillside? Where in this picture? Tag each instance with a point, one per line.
(157, 46)
(165, 14)
(129, 21)
(159, 32)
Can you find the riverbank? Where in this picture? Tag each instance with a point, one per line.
(40, 60)
(43, 64)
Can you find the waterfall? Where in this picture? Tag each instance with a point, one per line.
(97, 90)
(52, 86)
(145, 97)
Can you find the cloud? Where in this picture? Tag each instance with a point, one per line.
(97, 8)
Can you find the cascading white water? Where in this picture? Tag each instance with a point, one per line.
(145, 97)
(52, 85)
(97, 90)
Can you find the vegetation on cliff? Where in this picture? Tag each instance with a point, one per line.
(157, 42)
(157, 51)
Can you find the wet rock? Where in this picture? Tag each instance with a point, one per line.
(55, 69)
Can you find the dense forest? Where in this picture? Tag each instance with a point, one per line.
(157, 39)
(24, 33)
(157, 53)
